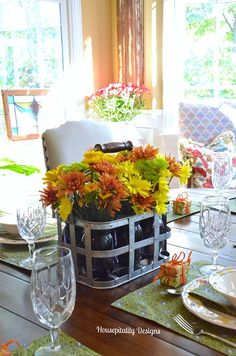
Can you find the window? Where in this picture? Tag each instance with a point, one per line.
(209, 59)
(31, 43)
(200, 52)
(36, 50)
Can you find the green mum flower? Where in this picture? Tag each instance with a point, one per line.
(151, 169)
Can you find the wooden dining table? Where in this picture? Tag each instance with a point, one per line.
(93, 312)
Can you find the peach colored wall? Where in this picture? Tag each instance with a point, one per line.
(97, 38)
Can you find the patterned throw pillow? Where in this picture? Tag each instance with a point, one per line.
(202, 157)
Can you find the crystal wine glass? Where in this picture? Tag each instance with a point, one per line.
(214, 227)
(53, 291)
(222, 171)
(31, 220)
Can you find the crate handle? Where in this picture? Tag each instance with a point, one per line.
(112, 147)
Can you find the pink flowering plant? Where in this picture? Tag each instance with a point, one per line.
(118, 101)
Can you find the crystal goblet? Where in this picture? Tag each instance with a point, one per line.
(222, 171)
(53, 292)
(31, 220)
(214, 226)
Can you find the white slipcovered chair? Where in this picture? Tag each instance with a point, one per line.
(68, 142)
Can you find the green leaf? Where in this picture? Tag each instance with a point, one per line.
(10, 165)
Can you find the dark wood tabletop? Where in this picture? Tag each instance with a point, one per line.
(93, 306)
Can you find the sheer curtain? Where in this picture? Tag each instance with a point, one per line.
(130, 41)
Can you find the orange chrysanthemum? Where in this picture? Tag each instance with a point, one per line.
(48, 196)
(123, 156)
(148, 152)
(142, 203)
(71, 182)
(112, 192)
(173, 165)
(104, 167)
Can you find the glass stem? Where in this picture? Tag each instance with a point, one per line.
(54, 334)
(31, 247)
(214, 258)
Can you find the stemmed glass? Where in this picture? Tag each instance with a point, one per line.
(31, 220)
(214, 227)
(53, 291)
(222, 171)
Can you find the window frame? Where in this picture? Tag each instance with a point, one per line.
(72, 55)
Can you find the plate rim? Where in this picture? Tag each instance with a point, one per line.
(8, 241)
(213, 279)
(187, 299)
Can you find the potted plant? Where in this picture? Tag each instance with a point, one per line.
(118, 102)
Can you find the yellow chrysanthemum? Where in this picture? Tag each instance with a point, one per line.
(161, 208)
(161, 199)
(185, 172)
(104, 195)
(127, 169)
(161, 196)
(165, 173)
(65, 208)
(91, 157)
(138, 209)
(51, 176)
(163, 186)
(138, 186)
(91, 187)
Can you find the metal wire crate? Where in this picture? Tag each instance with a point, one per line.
(108, 254)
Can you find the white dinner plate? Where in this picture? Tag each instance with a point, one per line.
(195, 306)
(8, 241)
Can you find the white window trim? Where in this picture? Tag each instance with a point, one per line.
(72, 35)
(72, 42)
(172, 64)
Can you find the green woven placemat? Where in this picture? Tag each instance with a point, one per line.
(74, 348)
(14, 253)
(153, 303)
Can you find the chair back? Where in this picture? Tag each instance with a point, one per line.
(67, 143)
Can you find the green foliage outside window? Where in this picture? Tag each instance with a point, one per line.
(209, 68)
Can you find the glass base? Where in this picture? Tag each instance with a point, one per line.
(27, 262)
(60, 350)
(209, 269)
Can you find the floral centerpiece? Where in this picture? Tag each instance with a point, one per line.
(118, 101)
(104, 186)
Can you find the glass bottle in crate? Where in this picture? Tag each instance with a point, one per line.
(104, 240)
